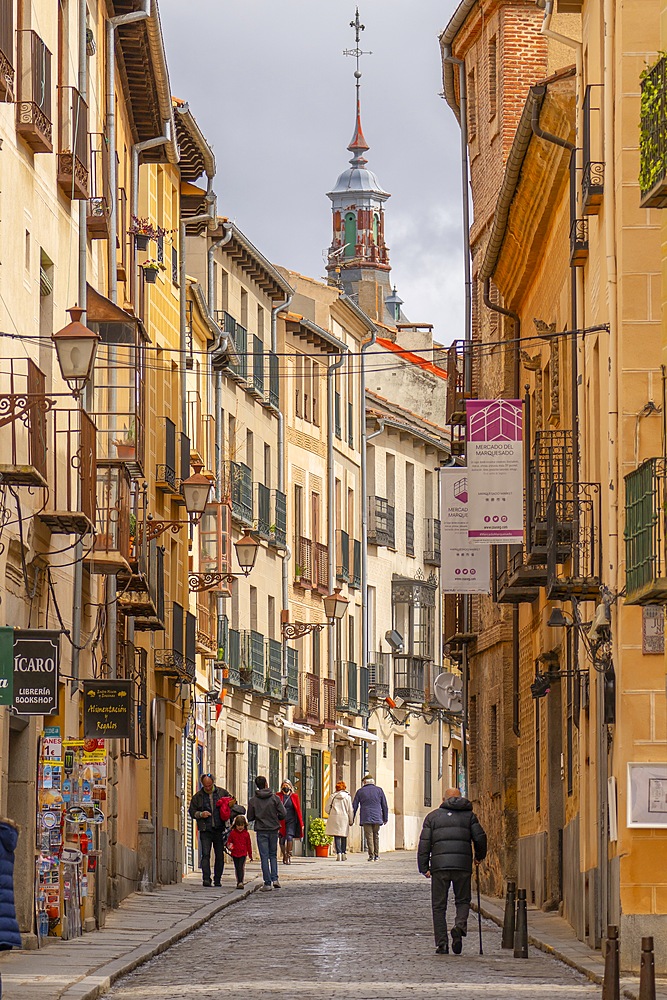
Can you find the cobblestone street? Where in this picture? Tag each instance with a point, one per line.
(353, 930)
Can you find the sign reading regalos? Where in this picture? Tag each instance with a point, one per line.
(495, 470)
(107, 709)
(36, 668)
(465, 567)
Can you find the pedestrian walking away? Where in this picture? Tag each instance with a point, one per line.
(291, 828)
(10, 936)
(212, 828)
(240, 847)
(341, 816)
(371, 802)
(267, 812)
(445, 855)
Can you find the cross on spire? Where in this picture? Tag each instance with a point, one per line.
(358, 145)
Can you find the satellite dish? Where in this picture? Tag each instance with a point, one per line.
(448, 690)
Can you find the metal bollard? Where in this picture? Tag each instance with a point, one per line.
(647, 971)
(611, 987)
(521, 932)
(509, 921)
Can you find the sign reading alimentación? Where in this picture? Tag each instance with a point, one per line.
(107, 709)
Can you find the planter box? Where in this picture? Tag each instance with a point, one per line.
(322, 852)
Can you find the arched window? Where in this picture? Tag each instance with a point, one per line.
(350, 234)
(376, 228)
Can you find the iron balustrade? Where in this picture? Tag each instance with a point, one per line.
(33, 105)
(573, 530)
(409, 533)
(355, 577)
(258, 366)
(99, 200)
(653, 137)
(379, 675)
(409, 678)
(381, 527)
(25, 423)
(552, 463)
(342, 556)
(239, 368)
(274, 679)
(240, 488)
(234, 658)
(514, 580)
(459, 364)
(279, 525)
(263, 522)
(347, 698)
(291, 688)
(165, 473)
(645, 530)
(578, 242)
(432, 550)
(7, 50)
(72, 473)
(73, 176)
(592, 181)
(252, 661)
(364, 690)
(274, 381)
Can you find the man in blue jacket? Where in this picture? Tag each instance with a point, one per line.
(374, 813)
(444, 855)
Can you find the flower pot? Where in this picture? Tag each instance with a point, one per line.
(141, 241)
(322, 851)
(150, 275)
(124, 451)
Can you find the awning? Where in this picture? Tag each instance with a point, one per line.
(294, 727)
(358, 734)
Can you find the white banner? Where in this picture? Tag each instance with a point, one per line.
(465, 567)
(495, 470)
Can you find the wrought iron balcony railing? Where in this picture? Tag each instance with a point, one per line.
(592, 181)
(645, 531)
(33, 106)
(257, 385)
(574, 549)
(99, 201)
(347, 694)
(592, 187)
(25, 429)
(240, 488)
(432, 552)
(552, 463)
(72, 476)
(239, 369)
(379, 675)
(355, 576)
(253, 672)
(653, 137)
(321, 574)
(233, 655)
(459, 366)
(409, 533)
(73, 174)
(342, 556)
(7, 73)
(364, 690)
(279, 525)
(515, 581)
(263, 521)
(409, 678)
(381, 523)
(578, 242)
(291, 686)
(274, 679)
(274, 381)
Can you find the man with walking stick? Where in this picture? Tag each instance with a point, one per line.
(445, 855)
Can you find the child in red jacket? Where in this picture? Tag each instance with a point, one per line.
(240, 847)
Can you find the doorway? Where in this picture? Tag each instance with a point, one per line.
(399, 771)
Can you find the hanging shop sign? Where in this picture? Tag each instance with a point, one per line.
(107, 709)
(465, 567)
(35, 674)
(6, 666)
(495, 470)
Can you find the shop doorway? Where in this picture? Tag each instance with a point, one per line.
(399, 805)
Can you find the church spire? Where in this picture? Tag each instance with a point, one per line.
(358, 146)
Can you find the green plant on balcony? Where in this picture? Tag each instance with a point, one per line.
(653, 155)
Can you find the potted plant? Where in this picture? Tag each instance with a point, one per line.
(143, 231)
(150, 269)
(317, 837)
(125, 445)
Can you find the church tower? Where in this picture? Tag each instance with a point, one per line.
(358, 259)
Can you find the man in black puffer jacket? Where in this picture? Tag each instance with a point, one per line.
(445, 855)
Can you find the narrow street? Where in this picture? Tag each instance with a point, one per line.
(354, 930)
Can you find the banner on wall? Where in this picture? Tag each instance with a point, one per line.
(464, 567)
(495, 470)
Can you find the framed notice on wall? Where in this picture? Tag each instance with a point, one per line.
(647, 796)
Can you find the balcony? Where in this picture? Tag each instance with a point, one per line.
(141, 591)
(409, 533)
(253, 670)
(178, 661)
(207, 625)
(347, 695)
(257, 384)
(342, 556)
(459, 359)
(291, 687)
(350, 425)
(73, 175)
(240, 488)
(355, 575)
(303, 566)
(329, 702)
(409, 678)
(99, 200)
(379, 675)
(457, 620)
(215, 546)
(592, 187)
(166, 479)
(309, 711)
(645, 506)
(578, 242)
(338, 428)
(514, 580)
(653, 137)
(274, 381)
(552, 463)
(7, 50)
(321, 575)
(263, 509)
(274, 677)
(233, 657)
(592, 181)
(33, 105)
(381, 529)
(25, 424)
(574, 563)
(432, 552)
(72, 460)
(279, 525)
(239, 370)
(111, 551)
(364, 688)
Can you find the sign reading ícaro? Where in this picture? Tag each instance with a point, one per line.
(465, 567)
(495, 470)
(107, 709)
(36, 671)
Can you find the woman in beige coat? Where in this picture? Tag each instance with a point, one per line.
(339, 808)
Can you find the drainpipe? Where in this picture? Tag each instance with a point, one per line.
(331, 489)
(111, 25)
(364, 510)
(209, 217)
(571, 43)
(210, 271)
(137, 149)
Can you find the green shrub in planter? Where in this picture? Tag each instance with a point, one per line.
(317, 836)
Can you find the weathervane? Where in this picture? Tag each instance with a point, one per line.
(357, 52)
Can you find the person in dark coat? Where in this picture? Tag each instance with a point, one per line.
(204, 808)
(291, 828)
(10, 936)
(371, 802)
(445, 855)
(267, 812)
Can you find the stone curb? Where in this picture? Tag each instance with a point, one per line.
(626, 991)
(99, 982)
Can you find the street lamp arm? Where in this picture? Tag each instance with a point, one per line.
(199, 582)
(156, 528)
(296, 630)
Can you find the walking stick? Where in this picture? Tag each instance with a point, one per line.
(479, 909)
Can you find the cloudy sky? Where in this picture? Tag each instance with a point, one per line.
(268, 83)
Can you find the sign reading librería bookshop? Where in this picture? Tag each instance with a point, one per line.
(29, 670)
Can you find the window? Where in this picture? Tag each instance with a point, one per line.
(267, 466)
(249, 452)
(253, 608)
(271, 615)
(390, 476)
(306, 388)
(350, 639)
(274, 769)
(376, 228)
(472, 106)
(384, 750)
(260, 322)
(174, 266)
(493, 77)
(427, 775)
(298, 386)
(316, 393)
(407, 753)
(350, 234)
(472, 740)
(298, 514)
(244, 308)
(316, 650)
(253, 766)
(26, 262)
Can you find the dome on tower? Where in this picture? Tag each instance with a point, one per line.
(358, 180)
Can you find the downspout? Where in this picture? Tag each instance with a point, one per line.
(137, 149)
(571, 43)
(210, 271)
(111, 25)
(331, 492)
(209, 217)
(364, 510)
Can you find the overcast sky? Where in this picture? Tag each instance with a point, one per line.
(274, 95)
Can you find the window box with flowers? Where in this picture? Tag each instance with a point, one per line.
(144, 231)
(150, 270)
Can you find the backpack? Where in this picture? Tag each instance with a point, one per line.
(225, 808)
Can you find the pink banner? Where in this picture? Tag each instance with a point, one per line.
(495, 470)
